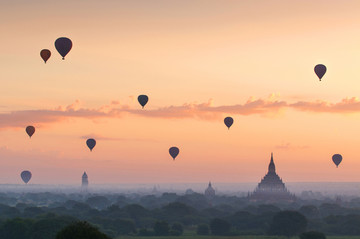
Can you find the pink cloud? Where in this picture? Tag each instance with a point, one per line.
(203, 111)
(347, 105)
(100, 137)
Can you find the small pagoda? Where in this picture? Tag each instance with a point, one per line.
(210, 191)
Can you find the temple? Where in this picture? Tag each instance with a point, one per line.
(271, 188)
(84, 182)
(210, 192)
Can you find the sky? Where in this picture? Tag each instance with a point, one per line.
(199, 62)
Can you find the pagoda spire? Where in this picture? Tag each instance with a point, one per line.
(272, 164)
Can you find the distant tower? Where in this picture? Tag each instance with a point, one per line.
(84, 182)
(210, 192)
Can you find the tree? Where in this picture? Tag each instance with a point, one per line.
(176, 229)
(98, 202)
(124, 226)
(288, 223)
(136, 211)
(310, 211)
(161, 228)
(312, 235)
(32, 212)
(202, 229)
(16, 228)
(219, 227)
(80, 230)
(48, 227)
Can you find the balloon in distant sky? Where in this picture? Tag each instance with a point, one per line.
(30, 130)
(91, 143)
(228, 121)
(143, 99)
(320, 70)
(25, 176)
(63, 45)
(174, 151)
(337, 158)
(45, 54)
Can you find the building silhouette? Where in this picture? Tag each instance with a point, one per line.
(84, 182)
(210, 192)
(271, 188)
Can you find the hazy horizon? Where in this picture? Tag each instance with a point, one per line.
(326, 188)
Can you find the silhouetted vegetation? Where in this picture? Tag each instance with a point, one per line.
(219, 227)
(288, 223)
(43, 215)
(203, 229)
(80, 230)
(312, 235)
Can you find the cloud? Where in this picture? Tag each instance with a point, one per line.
(347, 105)
(100, 137)
(203, 111)
(22, 118)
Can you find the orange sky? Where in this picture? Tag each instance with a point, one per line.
(198, 61)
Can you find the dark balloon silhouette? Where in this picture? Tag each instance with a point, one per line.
(143, 99)
(26, 176)
(174, 151)
(45, 54)
(320, 70)
(63, 45)
(337, 158)
(30, 130)
(91, 143)
(228, 121)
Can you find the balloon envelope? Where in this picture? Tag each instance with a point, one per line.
(63, 45)
(25, 176)
(45, 54)
(143, 99)
(91, 143)
(174, 151)
(320, 70)
(337, 158)
(228, 121)
(30, 130)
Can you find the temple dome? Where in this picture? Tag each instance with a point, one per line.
(210, 192)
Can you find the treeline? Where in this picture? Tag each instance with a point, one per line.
(118, 215)
(171, 219)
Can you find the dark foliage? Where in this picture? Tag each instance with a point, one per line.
(176, 229)
(161, 228)
(203, 229)
(16, 229)
(220, 227)
(312, 235)
(80, 230)
(288, 223)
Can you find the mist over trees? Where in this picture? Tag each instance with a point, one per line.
(43, 215)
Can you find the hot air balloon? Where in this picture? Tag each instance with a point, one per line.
(30, 130)
(228, 121)
(320, 70)
(25, 176)
(63, 45)
(143, 99)
(174, 151)
(91, 143)
(337, 158)
(45, 54)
